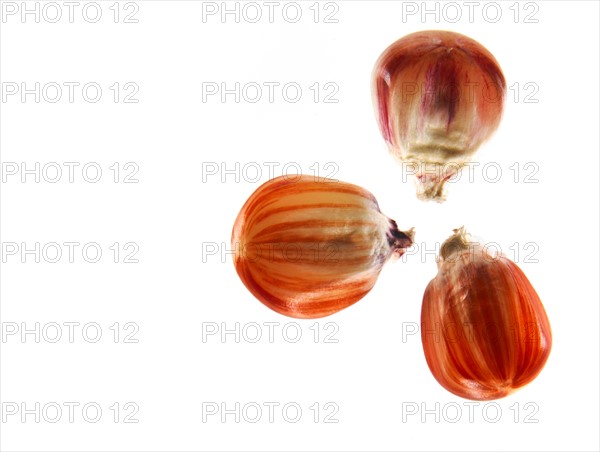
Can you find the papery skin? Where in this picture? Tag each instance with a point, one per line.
(484, 330)
(438, 95)
(308, 247)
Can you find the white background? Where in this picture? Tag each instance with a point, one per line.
(373, 374)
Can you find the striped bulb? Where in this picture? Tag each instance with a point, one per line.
(438, 96)
(308, 247)
(484, 329)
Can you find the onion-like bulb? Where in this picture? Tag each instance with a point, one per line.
(484, 330)
(438, 95)
(308, 247)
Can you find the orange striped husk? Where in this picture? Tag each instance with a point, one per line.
(308, 247)
(484, 330)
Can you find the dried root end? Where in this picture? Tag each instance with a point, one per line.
(432, 176)
(455, 244)
(398, 240)
(432, 192)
